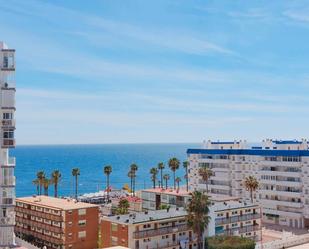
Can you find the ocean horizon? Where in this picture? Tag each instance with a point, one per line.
(91, 158)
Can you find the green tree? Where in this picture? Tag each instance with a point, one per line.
(40, 176)
(55, 179)
(134, 168)
(251, 184)
(173, 163)
(37, 184)
(166, 178)
(76, 174)
(229, 242)
(205, 173)
(131, 175)
(46, 183)
(178, 180)
(107, 172)
(197, 217)
(154, 172)
(123, 207)
(185, 166)
(161, 168)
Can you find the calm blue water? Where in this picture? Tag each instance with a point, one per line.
(91, 159)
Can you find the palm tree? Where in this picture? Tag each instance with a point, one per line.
(178, 180)
(173, 163)
(107, 172)
(37, 184)
(166, 178)
(40, 176)
(205, 173)
(197, 217)
(251, 184)
(76, 173)
(161, 167)
(55, 178)
(131, 175)
(154, 172)
(134, 168)
(185, 165)
(46, 183)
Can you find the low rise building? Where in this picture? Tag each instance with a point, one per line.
(157, 198)
(148, 230)
(57, 223)
(235, 218)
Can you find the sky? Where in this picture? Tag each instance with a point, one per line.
(114, 71)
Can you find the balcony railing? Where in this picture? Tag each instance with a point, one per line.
(238, 218)
(240, 230)
(8, 181)
(172, 244)
(8, 143)
(8, 122)
(160, 231)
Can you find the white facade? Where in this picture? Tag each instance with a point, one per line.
(7, 164)
(281, 167)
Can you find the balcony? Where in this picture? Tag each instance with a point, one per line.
(292, 194)
(238, 218)
(8, 123)
(172, 244)
(239, 230)
(8, 143)
(269, 202)
(160, 231)
(8, 181)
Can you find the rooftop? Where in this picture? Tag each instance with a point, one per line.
(183, 192)
(142, 217)
(56, 203)
(169, 191)
(220, 206)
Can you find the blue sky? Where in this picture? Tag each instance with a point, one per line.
(158, 71)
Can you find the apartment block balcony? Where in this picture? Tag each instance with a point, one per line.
(7, 221)
(280, 163)
(4, 201)
(238, 218)
(282, 183)
(292, 194)
(8, 143)
(280, 173)
(239, 230)
(172, 244)
(160, 231)
(269, 202)
(41, 225)
(284, 213)
(8, 181)
(38, 235)
(8, 123)
(39, 214)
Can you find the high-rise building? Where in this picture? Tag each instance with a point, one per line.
(281, 168)
(7, 164)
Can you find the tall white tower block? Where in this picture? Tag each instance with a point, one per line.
(7, 140)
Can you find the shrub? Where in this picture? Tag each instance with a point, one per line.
(229, 242)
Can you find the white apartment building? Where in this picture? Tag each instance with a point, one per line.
(7, 164)
(281, 167)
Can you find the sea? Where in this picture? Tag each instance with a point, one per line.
(91, 159)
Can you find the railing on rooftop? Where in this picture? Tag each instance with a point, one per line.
(160, 231)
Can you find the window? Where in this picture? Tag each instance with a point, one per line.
(82, 234)
(114, 227)
(82, 222)
(114, 241)
(81, 211)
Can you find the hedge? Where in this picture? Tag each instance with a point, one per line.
(229, 242)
